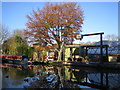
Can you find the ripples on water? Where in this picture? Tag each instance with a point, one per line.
(39, 76)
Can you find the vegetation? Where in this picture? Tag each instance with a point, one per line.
(16, 45)
(55, 21)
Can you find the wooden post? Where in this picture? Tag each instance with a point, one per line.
(107, 53)
(106, 79)
(101, 51)
(86, 51)
(101, 77)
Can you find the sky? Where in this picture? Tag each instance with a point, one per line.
(98, 16)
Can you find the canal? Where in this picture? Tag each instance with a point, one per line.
(44, 76)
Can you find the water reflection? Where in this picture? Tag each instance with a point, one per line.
(97, 79)
(60, 77)
(13, 77)
(111, 80)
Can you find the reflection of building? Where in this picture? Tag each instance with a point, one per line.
(79, 75)
(106, 79)
(93, 78)
(49, 69)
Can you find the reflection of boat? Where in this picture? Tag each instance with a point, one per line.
(10, 66)
(16, 66)
(37, 63)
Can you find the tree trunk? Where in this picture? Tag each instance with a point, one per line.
(60, 77)
(59, 55)
(60, 51)
(71, 49)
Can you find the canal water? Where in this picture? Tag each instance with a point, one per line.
(44, 76)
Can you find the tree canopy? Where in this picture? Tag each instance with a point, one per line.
(49, 25)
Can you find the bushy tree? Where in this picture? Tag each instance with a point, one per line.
(17, 46)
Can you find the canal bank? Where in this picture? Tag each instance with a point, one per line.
(110, 65)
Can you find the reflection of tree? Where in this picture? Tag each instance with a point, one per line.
(60, 72)
(62, 81)
(56, 70)
(20, 74)
(5, 71)
(13, 76)
(18, 82)
(39, 67)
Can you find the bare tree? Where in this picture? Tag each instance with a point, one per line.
(4, 33)
(111, 37)
(113, 41)
(18, 32)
